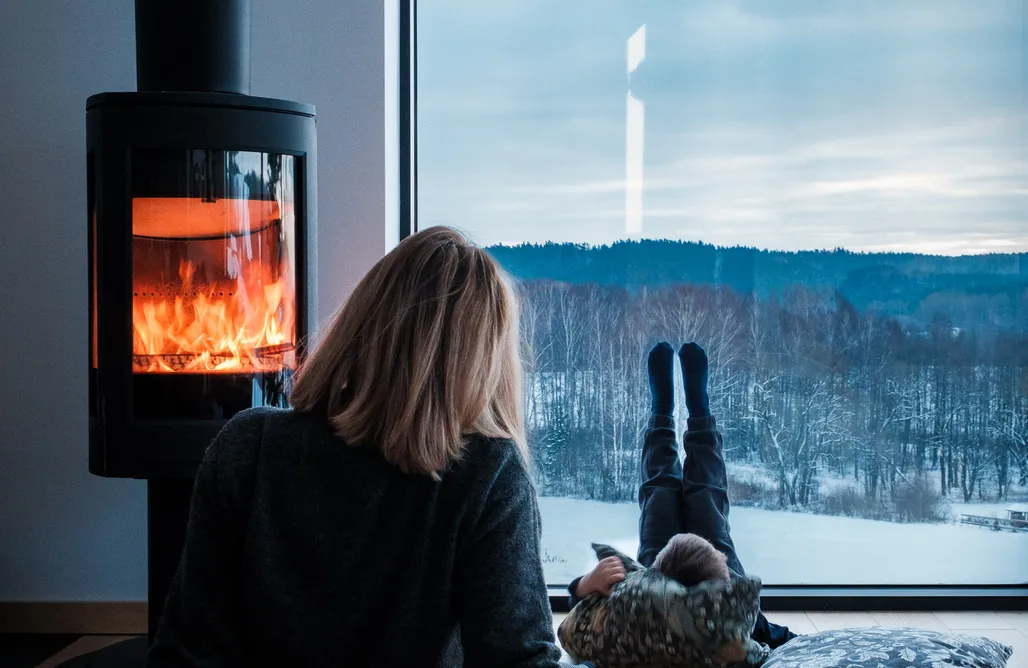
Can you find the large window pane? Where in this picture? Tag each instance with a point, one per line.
(832, 198)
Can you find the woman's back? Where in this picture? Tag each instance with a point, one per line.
(345, 560)
(417, 546)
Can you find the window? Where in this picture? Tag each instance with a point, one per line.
(832, 198)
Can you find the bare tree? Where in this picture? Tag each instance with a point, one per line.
(1010, 428)
(798, 430)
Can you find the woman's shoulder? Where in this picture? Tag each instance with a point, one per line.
(268, 419)
(264, 439)
(485, 452)
(249, 425)
(247, 432)
(492, 462)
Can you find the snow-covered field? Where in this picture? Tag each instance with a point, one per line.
(797, 548)
(983, 509)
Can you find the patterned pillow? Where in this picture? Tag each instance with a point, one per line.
(651, 620)
(889, 648)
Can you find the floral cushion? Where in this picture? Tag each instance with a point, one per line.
(889, 648)
(651, 620)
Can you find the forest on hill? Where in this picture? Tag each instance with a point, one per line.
(871, 385)
(971, 291)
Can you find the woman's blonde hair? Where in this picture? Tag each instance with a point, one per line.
(422, 355)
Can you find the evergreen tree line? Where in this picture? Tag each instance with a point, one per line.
(806, 388)
(970, 290)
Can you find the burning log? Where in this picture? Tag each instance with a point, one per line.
(266, 358)
(245, 323)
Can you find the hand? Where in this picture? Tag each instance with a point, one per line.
(599, 580)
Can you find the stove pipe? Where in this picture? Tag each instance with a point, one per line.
(193, 45)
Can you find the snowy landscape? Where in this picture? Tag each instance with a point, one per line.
(867, 400)
(784, 547)
(850, 250)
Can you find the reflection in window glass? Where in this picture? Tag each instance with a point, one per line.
(832, 198)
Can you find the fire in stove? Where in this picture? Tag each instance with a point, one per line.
(243, 325)
(213, 286)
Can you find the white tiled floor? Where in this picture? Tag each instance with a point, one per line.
(1010, 628)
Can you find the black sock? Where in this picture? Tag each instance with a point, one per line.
(694, 372)
(661, 365)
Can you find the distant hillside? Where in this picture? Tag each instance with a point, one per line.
(973, 291)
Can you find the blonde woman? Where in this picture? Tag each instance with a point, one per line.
(388, 519)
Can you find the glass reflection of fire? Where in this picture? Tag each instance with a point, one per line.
(213, 287)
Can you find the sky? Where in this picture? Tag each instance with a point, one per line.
(876, 125)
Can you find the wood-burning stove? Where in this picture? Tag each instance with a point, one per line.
(202, 215)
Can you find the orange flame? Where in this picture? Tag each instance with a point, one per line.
(241, 326)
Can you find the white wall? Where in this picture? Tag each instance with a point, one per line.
(64, 534)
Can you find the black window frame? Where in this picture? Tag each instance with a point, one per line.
(800, 598)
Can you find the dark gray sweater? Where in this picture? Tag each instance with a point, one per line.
(303, 551)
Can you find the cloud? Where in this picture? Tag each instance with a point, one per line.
(788, 125)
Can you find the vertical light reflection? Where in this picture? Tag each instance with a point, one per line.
(635, 131)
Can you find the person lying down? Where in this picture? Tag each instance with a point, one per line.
(687, 600)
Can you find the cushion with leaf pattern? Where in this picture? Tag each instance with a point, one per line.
(651, 620)
(882, 647)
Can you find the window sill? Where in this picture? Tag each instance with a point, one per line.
(868, 598)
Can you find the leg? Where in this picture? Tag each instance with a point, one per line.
(706, 505)
(660, 488)
(705, 502)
